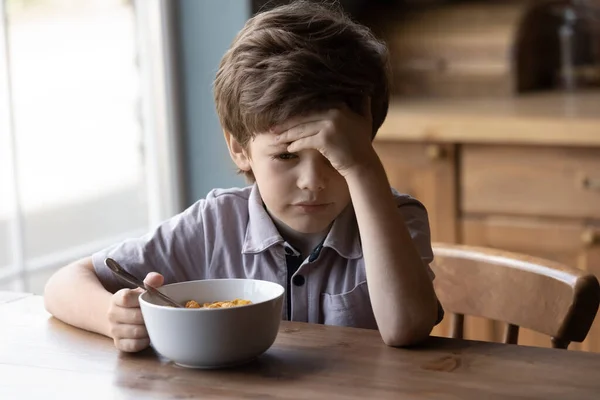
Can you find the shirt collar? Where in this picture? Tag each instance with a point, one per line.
(343, 236)
(262, 234)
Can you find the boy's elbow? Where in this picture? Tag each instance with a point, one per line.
(49, 294)
(406, 339)
(55, 288)
(409, 333)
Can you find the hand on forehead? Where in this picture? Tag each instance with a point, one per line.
(298, 122)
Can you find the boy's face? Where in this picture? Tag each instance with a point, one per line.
(302, 189)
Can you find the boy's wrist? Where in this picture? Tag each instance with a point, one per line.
(371, 170)
(105, 322)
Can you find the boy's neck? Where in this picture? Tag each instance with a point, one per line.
(305, 243)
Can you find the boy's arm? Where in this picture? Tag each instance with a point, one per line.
(75, 295)
(81, 294)
(401, 291)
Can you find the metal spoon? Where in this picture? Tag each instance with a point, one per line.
(127, 277)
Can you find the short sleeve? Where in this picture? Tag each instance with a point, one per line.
(175, 249)
(417, 223)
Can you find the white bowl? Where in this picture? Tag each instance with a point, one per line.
(214, 337)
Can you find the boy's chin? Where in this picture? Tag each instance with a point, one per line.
(308, 229)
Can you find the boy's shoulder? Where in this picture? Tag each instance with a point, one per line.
(219, 206)
(224, 201)
(235, 195)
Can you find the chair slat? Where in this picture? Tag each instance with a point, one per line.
(458, 326)
(560, 343)
(511, 334)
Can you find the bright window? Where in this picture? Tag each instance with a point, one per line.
(76, 139)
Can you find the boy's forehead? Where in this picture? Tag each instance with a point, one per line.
(267, 140)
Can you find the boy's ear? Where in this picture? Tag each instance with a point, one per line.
(237, 152)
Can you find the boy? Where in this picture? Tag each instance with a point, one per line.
(300, 95)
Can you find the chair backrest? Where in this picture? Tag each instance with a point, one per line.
(517, 289)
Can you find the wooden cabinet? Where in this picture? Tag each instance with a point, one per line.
(530, 183)
(426, 171)
(554, 239)
(531, 180)
(535, 200)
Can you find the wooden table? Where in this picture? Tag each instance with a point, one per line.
(6, 297)
(40, 357)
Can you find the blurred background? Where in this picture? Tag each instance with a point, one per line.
(107, 123)
(97, 97)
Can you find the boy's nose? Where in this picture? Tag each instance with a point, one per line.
(312, 176)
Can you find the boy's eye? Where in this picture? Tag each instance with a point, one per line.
(285, 156)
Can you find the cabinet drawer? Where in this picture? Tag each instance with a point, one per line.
(542, 181)
(557, 240)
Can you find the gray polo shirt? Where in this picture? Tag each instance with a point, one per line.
(230, 235)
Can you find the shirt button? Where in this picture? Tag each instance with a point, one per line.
(289, 251)
(298, 280)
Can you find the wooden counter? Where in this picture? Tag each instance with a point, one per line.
(535, 119)
(520, 174)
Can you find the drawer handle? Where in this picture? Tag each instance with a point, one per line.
(590, 237)
(435, 152)
(590, 183)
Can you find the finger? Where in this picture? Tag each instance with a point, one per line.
(123, 315)
(311, 142)
(300, 131)
(154, 279)
(127, 297)
(299, 120)
(131, 345)
(129, 331)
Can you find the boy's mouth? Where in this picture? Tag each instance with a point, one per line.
(310, 203)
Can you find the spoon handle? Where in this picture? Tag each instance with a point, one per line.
(127, 277)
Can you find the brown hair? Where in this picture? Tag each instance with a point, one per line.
(295, 59)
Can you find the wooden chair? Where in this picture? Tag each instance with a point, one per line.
(519, 290)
